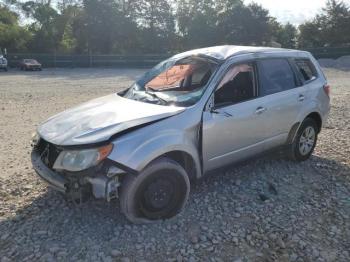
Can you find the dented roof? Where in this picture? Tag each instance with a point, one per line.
(225, 51)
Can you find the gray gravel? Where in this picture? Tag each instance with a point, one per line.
(268, 209)
(342, 63)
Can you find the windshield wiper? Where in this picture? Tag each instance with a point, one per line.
(155, 96)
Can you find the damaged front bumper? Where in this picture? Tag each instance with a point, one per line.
(55, 180)
(102, 182)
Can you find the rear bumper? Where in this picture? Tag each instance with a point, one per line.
(53, 179)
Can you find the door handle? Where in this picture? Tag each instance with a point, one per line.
(260, 110)
(227, 114)
(301, 98)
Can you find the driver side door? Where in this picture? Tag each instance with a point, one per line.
(233, 126)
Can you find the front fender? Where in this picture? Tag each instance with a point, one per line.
(137, 149)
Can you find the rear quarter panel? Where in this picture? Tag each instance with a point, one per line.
(316, 98)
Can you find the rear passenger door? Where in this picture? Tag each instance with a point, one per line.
(282, 98)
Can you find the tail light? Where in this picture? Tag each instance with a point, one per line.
(327, 89)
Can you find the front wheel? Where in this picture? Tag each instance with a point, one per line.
(159, 192)
(305, 141)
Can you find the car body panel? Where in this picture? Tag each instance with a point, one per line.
(231, 133)
(177, 133)
(99, 119)
(225, 51)
(271, 128)
(142, 132)
(316, 100)
(282, 110)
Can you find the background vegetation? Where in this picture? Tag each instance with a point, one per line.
(159, 26)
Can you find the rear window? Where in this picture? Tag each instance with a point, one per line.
(275, 76)
(306, 69)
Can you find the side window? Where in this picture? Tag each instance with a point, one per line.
(306, 69)
(236, 86)
(275, 76)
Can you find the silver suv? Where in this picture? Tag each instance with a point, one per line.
(191, 114)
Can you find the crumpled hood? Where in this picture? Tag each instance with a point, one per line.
(97, 120)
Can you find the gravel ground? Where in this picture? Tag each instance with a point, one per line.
(268, 209)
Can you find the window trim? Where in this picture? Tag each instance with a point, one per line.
(313, 68)
(255, 82)
(295, 76)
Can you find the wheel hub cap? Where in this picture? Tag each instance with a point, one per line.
(158, 194)
(307, 140)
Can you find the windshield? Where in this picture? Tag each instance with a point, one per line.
(173, 82)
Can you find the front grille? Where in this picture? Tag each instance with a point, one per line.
(48, 152)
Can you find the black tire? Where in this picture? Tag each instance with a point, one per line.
(159, 192)
(300, 150)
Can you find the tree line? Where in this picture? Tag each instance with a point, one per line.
(159, 26)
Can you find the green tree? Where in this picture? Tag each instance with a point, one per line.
(102, 27)
(330, 28)
(155, 24)
(248, 25)
(286, 35)
(45, 34)
(310, 35)
(13, 37)
(197, 23)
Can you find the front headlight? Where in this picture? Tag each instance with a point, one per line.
(35, 139)
(77, 160)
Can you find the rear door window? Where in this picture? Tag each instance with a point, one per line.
(275, 75)
(306, 69)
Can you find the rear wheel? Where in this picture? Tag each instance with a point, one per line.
(305, 141)
(158, 192)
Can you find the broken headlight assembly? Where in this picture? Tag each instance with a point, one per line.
(78, 160)
(35, 139)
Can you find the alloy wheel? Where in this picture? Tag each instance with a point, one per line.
(307, 140)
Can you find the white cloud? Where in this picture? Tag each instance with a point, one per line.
(293, 11)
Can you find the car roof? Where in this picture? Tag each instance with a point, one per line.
(225, 51)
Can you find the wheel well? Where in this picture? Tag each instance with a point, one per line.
(316, 116)
(185, 160)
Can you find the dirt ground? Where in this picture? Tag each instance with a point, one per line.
(303, 216)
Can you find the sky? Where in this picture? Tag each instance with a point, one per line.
(293, 11)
